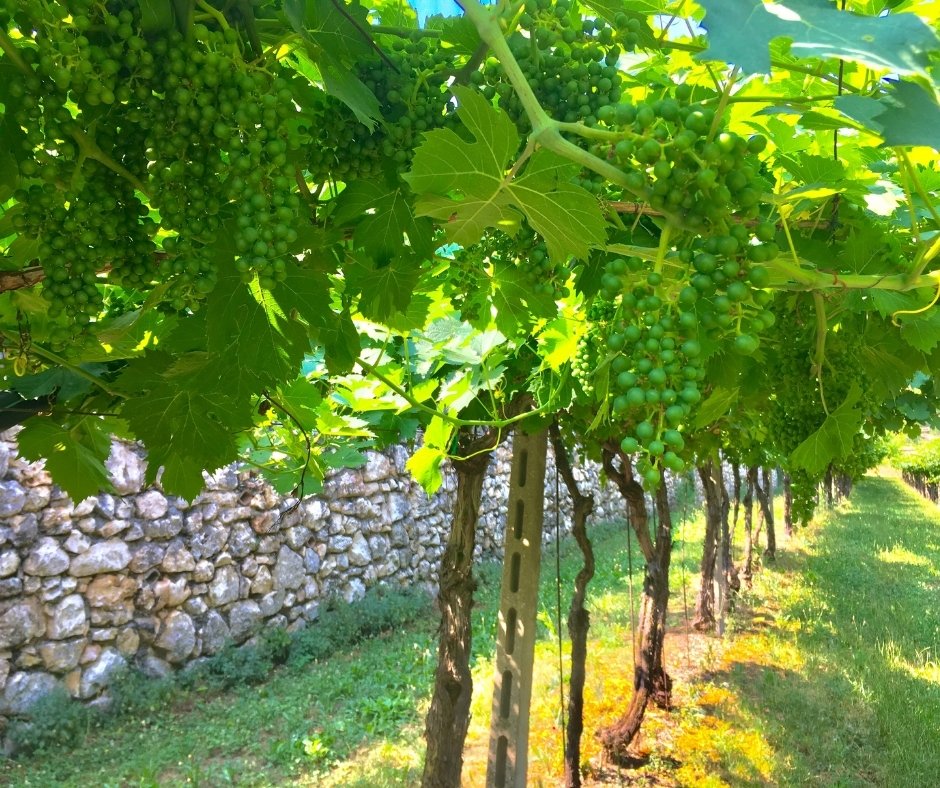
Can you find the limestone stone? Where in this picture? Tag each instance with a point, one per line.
(109, 665)
(46, 559)
(84, 508)
(271, 603)
(314, 512)
(127, 641)
(68, 618)
(249, 566)
(154, 667)
(12, 498)
(9, 563)
(203, 571)
(264, 523)
(110, 590)
(170, 593)
(244, 620)
(176, 636)
(163, 527)
(178, 559)
(359, 552)
(23, 690)
(77, 543)
(208, 541)
(151, 505)
(196, 606)
(105, 505)
(234, 514)
(215, 633)
(112, 528)
(377, 467)
(262, 582)
(24, 528)
(61, 656)
(340, 544)
(126, 469)
(21, 623)
(4, 458)
(379, 547)
(289, 569)
(37, 498)
(242, 540)
(311, 561)
(146, 557)
(112, 616)
(103, 635)
(110, 556)
(354, 591)
(224, 586)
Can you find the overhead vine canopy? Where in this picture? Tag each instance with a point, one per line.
(284, 230)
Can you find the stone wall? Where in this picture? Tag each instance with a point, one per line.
(140, 578)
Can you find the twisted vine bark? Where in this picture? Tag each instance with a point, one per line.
(787, 505)
(765, 496)
(449, 715)
(650, 680)
(579, 619)
(748, 505)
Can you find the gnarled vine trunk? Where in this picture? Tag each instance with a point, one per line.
(747, 571)
(449, 715)
(650, 680)
(705, 604)
(765, 495)
(579, 619)
(787, 505)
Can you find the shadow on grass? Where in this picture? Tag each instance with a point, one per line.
(846, 687)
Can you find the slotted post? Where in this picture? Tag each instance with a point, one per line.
(518, 609)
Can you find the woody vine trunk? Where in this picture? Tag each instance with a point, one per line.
(650, 680)
(579, 619)
(449, 715)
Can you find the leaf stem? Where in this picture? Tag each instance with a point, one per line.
(217, 15)
(9, 49)
(820, 354)
(91, 150)
(55, 358)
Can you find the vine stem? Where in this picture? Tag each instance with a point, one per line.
(55, 358)
(217, 15)
(10, 50)
(820, 354)
(91, 150)
(722, 103)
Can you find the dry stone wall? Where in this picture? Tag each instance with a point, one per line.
(138, 578)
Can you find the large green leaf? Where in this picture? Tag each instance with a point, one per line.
(921, 331)
(385, 287)
(467, 186)
(833, 440)
(187, 419)
(74, 453)
(384, 219)
(740, 32)
(908, 115)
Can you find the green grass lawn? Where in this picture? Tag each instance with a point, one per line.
(830, 676)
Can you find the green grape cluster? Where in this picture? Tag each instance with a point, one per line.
(410, 82)
(465, 282)
(589, 354)
(677, 161)
(569, 61)
(129, 140)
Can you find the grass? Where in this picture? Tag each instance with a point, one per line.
(830, 675)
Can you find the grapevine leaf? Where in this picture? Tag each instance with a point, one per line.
(156, 16)
(833, 440)
(908, 115)
(921, 331)
(352, 91)
(740, 33)
(63, 381)
(519, 305)
(456, 30)
(302, 399)
(9, 171)
(559, 342)
(465, 184)
(340, 342)
(425, 466)
(717, 405)
(74, 454)
(187, 423)
(386, 288)
(384, 220)
(248, 329)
